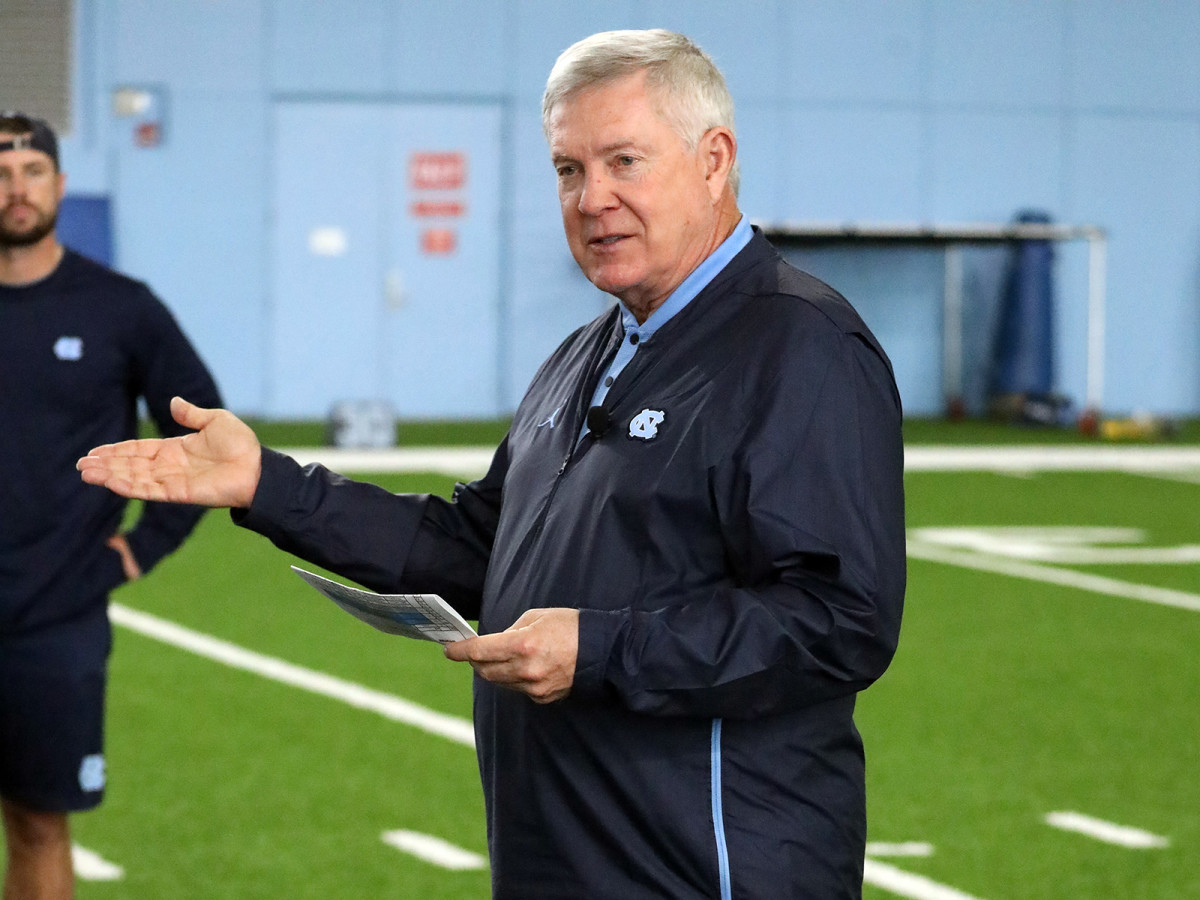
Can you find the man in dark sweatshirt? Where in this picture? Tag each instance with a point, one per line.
(79, 345)
(687, 558)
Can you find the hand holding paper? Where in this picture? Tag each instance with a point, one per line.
(536, 656)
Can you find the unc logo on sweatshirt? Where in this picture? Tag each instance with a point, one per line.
(645, 424)
(69, 349)
(91, 773)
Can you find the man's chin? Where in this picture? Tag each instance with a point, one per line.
(26, 237)
(612, 282)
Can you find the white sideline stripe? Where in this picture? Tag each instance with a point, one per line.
(434, 850)
(905, 848)
(1041, 458)
(906, 884)
(1109, 832)
(391, 707)
(1098, 584)
(91, 866)
(474, 461)
(455, 461)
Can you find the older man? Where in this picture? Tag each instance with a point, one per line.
(79, 345)
(688, 555)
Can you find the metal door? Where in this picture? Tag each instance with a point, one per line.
(385, 258)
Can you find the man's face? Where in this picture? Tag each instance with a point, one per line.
(30, 191)
(638, 210)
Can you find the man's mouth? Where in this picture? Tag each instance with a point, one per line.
(607, 241)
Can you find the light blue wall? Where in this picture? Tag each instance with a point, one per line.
(880, 110)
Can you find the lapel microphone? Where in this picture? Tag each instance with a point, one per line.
(598, 421)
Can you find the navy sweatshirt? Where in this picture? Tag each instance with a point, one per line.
(77, 350)
(735, 545)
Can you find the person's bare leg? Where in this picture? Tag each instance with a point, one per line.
(39, 854)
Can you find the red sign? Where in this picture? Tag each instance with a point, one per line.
(437, 171)
(433, 208)
(439, 241)
(147, 134)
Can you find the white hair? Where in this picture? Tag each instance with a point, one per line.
(692, 91)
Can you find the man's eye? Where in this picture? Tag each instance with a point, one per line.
(565, 171)
(626, 160)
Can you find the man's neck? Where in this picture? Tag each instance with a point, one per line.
(25, 265)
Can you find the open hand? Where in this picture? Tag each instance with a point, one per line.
(218, 465)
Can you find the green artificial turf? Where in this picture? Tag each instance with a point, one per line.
(1009, 698)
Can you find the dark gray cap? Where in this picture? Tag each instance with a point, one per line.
(21, 132)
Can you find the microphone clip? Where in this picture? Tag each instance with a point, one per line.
(599, 420)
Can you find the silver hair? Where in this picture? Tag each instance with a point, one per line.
(694, 97)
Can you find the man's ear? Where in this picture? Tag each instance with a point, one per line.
(718, 150)
(62, 185)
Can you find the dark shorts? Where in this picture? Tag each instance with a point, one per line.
(51, 734)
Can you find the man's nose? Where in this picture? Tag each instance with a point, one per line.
(597, 194)
(13, 186)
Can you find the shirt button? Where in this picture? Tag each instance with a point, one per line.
(634, 338)
(608, 381)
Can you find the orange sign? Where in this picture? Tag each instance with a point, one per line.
(439, 241)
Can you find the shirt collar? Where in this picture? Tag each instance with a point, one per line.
(697, 281)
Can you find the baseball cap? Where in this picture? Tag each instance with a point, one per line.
(30, 134)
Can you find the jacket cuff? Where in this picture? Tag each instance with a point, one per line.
(270, 503)
(599, 633)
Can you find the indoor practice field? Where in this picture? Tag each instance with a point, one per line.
(1036, 738)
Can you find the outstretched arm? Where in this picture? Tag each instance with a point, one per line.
(218, 465)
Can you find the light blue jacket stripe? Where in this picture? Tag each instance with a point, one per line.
(718, 814)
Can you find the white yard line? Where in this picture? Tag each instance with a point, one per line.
(398, 709)
(1098, 584)
(91, 866)
(906, 884)
(434, 850)
(1109, 832)
(905, 848)
(465, 462)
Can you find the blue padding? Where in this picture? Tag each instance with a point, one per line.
(1023, 352)
(85, 225)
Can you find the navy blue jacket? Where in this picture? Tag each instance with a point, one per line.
(735, 545)
(77, 350)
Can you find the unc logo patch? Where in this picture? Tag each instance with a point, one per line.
(645, 424)
(69, 349)
(91, 773)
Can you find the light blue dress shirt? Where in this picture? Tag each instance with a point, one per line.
(635, 334)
